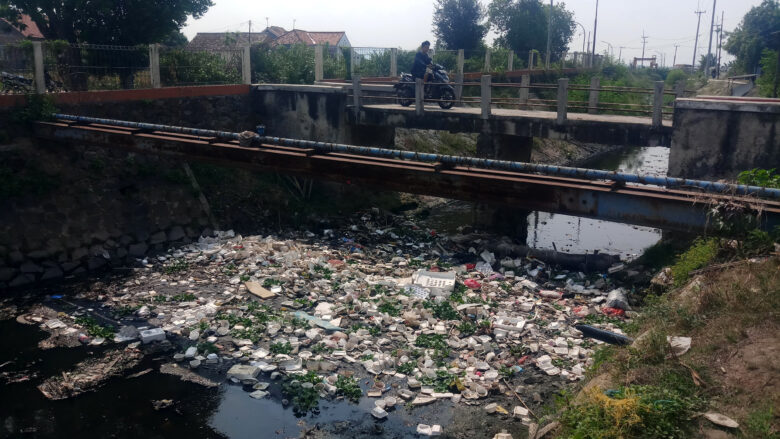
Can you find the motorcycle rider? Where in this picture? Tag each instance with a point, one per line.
(423, 64)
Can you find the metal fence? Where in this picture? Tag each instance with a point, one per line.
(78, 67)
(17, 68)
(183, 66)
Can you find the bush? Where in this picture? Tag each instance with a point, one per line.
(700, 254)
(181, 67)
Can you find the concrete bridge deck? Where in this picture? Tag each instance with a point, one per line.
(583, 127)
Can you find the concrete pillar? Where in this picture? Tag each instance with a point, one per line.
(510, 65)
(246, 66)
(356, 95)
(154, 65)
(525, 81)
(486, 68)
(459, 75)
(393, 62)
(40, 76)
(658, 104)
(593, 100)
(319, 67)
(563, 99)
(563, 60)
(485, 96)
(530, 59)
(419, 97)
(679, 89)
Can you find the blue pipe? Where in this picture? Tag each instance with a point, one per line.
(588, 174)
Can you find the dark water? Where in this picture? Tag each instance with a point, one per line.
(572, 234)
(122, 408)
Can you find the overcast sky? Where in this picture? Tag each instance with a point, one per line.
(405, 23)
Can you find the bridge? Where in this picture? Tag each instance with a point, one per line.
(589, 193)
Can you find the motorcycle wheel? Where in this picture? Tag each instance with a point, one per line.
(447, 99)
(405, 96)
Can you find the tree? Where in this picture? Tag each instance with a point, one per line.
(119, 22)
(753, 35)
(174, 39)
(522, 25)
(459, 24)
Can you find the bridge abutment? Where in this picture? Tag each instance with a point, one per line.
(718, 139)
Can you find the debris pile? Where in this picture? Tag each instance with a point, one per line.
(423, 316)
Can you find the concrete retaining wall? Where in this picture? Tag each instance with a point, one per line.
(718, 138)
(68, 210)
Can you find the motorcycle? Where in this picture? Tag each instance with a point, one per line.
(437, 88)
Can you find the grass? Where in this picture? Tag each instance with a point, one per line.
(303, 398)
(176, 266)
(208, 348)
(633, 411)
(443, 382)
(442, 311)
(700, 254)
(390, 309)
(94, 328)
(349, 388)
(406, 368)
(655, 394)
(281, 348)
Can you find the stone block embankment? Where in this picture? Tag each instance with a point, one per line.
(70, 210)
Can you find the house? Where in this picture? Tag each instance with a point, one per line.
(333, 39)
(272, 36)
(10, 32)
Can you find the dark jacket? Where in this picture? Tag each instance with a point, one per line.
(421, 61)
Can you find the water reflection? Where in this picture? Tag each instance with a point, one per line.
(572, 234)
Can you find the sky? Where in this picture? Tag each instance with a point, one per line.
(405, 23)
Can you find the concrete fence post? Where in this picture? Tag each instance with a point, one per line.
(563, 99)
(658, 104)
(547, 61)
(679, 89)
(459, 75)
(510, 65)
(487, 66)
(530, 59)
(419, 97)
(593, 100)
(485, 96)
(246, 66)
(394, 62)
(356, 94)
(525, 81)
(40, 76)
(563, 60)
(154, 65)
(319, 67)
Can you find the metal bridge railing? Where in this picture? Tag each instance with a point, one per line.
(656, 103)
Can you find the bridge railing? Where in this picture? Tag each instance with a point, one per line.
(562, 97)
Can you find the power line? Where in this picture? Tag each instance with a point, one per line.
(644, 43)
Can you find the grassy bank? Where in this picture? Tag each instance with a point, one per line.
(726, 298)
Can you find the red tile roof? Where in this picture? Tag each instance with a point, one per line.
(309, 38)
(31, 29)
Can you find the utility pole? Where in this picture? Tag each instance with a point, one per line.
(620, 54)
(250, 32)
(696, 44)
(644, 43)
(674, 63)
(588, 51)
(720, 38)
(709, 48)
(266, 23)
(549, 35)
(595, 26)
